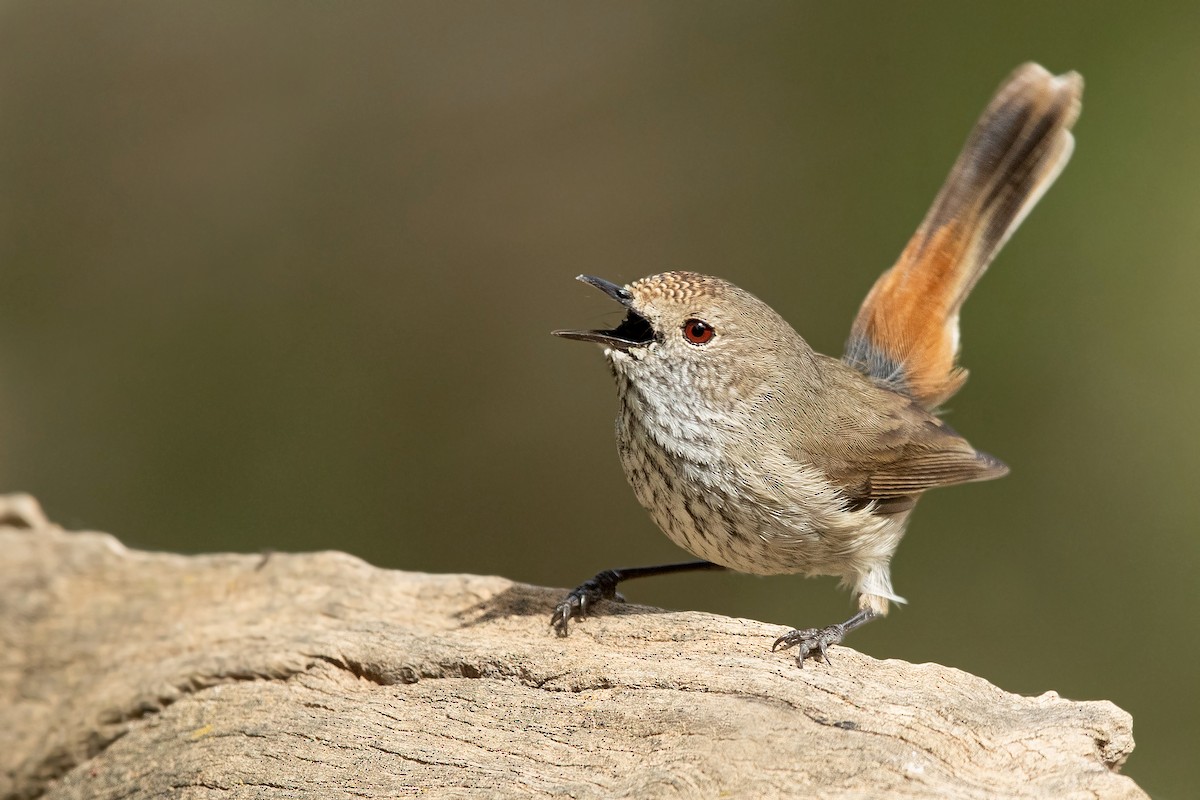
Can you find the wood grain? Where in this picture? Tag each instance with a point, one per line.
(127, 674)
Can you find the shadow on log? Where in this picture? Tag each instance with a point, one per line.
(127, 674)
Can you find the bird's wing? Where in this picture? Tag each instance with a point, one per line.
(876, 445)
(911, 458)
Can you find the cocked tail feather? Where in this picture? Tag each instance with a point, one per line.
(906, 333)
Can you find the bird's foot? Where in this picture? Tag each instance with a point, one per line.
(583, 597)
(813, 642)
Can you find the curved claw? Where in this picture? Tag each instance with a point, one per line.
(581, 598)
(814, 643)
(561, 617)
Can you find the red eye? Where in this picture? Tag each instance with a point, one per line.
(697, 331)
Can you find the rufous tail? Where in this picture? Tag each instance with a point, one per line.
(906, 333)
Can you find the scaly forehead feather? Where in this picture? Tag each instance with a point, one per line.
(678, 287)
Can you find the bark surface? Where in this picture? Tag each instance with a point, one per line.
(128, 674)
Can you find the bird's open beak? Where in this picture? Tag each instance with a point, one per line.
(634, 329)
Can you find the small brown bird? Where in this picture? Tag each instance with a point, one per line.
(757, 454)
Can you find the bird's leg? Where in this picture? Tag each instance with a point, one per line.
(604, 587)
(814, 642)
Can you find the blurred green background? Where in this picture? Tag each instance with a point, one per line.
(282, 275)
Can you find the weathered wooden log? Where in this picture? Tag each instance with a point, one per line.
(127, 674)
